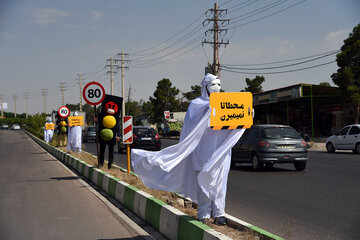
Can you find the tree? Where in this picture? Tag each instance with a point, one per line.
(325, 84)
(194, 93)
(347, 76)
(254, 85)
(164, 100)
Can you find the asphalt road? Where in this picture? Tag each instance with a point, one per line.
(40, 199)
(323, 202)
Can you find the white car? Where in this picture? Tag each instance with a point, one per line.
(348, 138)
(15, 127)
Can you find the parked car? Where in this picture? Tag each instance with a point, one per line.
(348, 138)
(4, 126)
(15, 127)
(89, 134)
(269, 144)
(144, 138)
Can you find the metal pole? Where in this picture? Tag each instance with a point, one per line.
(122, 82)
(128, 157)
(312, 113)
(80, 108)
(216, 39)
(97, 135)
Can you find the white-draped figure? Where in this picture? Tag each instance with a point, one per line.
(48, 133)
(198, 166)
(74, 137)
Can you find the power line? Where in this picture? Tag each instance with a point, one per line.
(283, 61)
(163, 42)
(272, 14)
(279, 72)
(281, 66)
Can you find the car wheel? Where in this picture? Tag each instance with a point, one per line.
(300, 166)
(330, 147)
(357, 148)
(256, 164)
(269, 164)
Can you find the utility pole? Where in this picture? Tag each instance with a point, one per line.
(44, 93)
(62, 89)
(26, 96)
(80, 85)
(216, 31)
(1, 104)
(112, 66)
(122, 60)
(15, 97)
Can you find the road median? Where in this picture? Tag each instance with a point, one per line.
(169, 221)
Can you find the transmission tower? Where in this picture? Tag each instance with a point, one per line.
(122, 60)
(2, 105)
(112, 71)
(26, 97)
(15, 97)
(62, 89)
(44, 93)
(216, 31)
(80, 85)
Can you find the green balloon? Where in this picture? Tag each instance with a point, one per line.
(63, 129)
(106, 134)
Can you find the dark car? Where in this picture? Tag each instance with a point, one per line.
(144, 138)
(89, 134)
(4, 126)
(267, 144)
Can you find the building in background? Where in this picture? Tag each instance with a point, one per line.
(313, 109)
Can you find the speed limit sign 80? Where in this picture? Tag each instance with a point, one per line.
(93, 93)
(64, 111)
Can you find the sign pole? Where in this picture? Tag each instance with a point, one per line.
(128, 137)
(128, 157)
(96, 130)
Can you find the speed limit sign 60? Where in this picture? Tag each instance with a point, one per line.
(93, 93)
(63, 111)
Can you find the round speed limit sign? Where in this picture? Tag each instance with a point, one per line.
(93, 93)
(63, 112)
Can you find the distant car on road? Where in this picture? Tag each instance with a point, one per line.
(144, 138)
(4, 126)
(89, 134)
(15, 127)
(269, 144)
(348, 138)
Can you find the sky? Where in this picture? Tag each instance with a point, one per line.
(45, 43)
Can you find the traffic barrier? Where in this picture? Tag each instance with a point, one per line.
(169, 221)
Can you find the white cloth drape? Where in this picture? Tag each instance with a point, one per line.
(74, 139)
(202, 156)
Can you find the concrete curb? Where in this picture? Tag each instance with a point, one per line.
(169, 221)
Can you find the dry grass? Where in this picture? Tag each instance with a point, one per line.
(170, 198)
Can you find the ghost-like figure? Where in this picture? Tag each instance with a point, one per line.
(48, 133)
(74, 137)
(198, 166)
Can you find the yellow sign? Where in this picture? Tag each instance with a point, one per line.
(231, 110)
(76, 121)
(49, 126)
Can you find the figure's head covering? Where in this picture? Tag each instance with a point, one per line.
(48, 119)
(206, 81)
(75, 113)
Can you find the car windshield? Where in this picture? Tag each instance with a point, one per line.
(91, 129)
(143, 131)
(280, 132)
